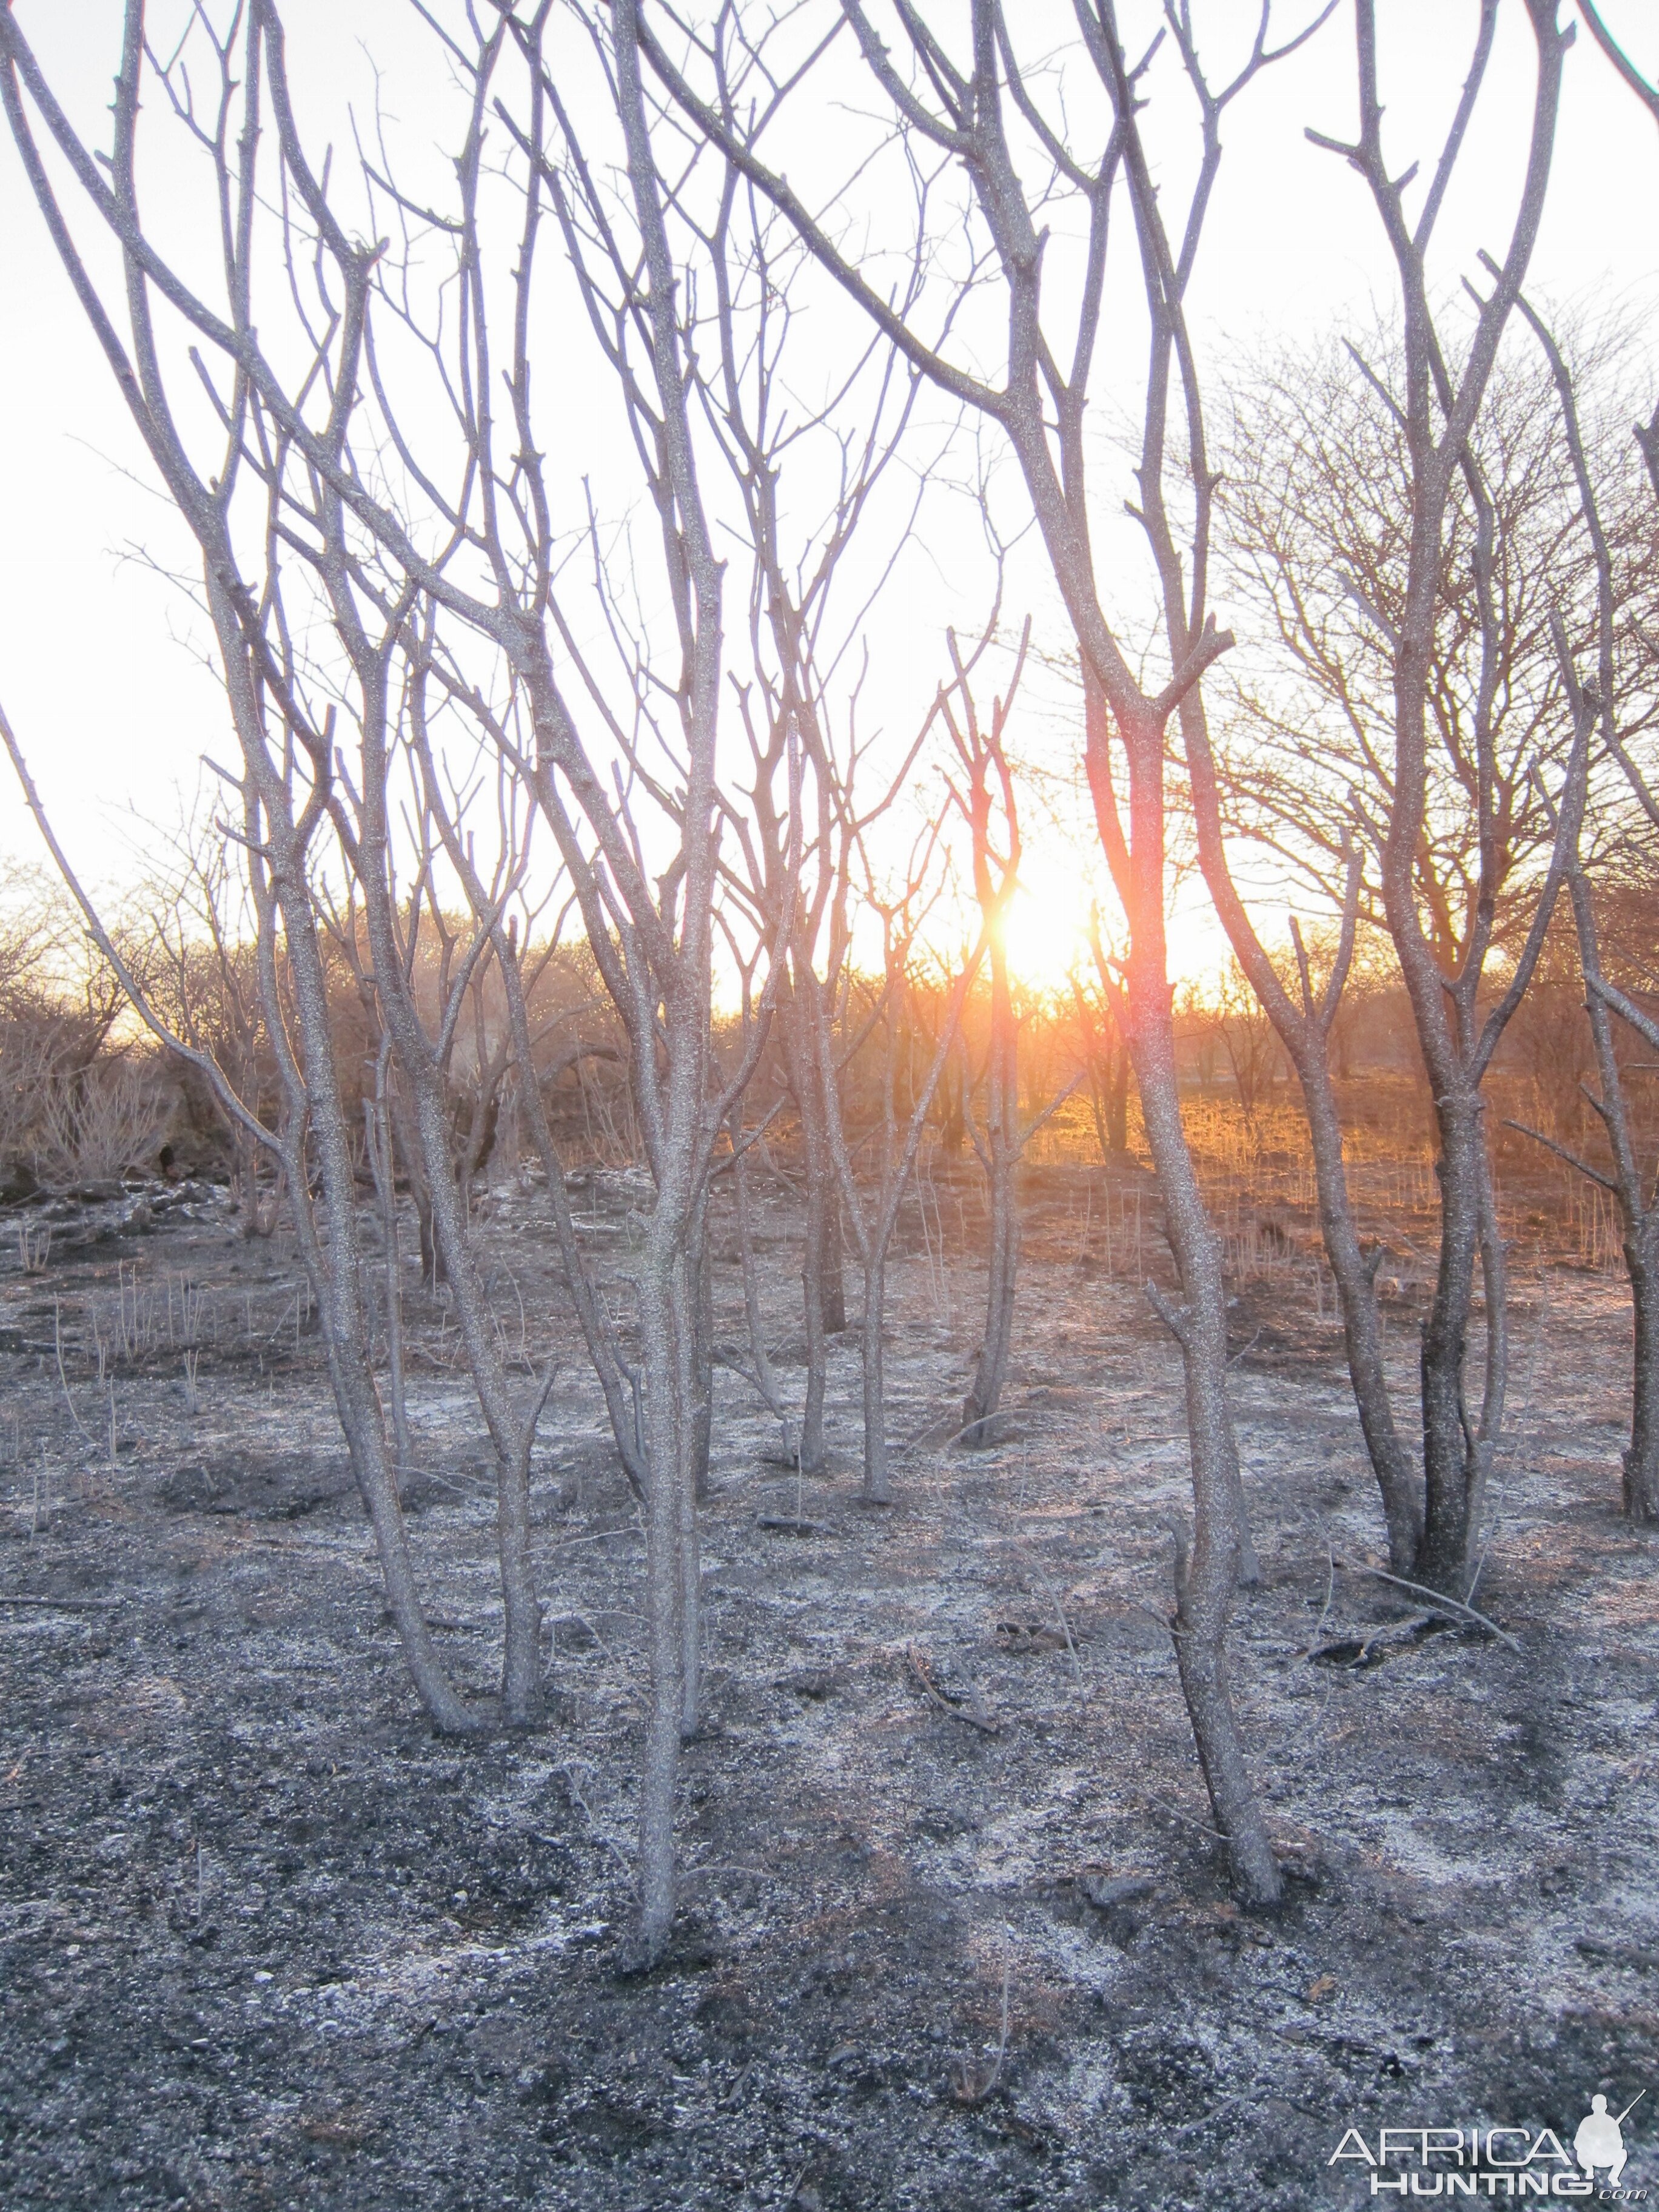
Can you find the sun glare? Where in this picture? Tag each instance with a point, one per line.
(1048, 928)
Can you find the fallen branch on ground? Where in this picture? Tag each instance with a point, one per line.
(1368, 1650)
(1430, 1597)
(953, 1703)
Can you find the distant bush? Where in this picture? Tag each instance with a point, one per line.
(79, 1105)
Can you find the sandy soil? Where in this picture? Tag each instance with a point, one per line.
(265, 1941)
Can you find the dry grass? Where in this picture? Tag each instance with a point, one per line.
(1257, 1176)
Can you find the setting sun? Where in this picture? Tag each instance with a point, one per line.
(1047, 925)
(733, 1471)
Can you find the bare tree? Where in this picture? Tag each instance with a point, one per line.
(360, 820)
(1441, 618)
(794, 833)
(76, 1107)
(981, 751)
(650, 931)
(203, 978)
(497, 550)
(1647, 434)
(1605, 704)
(1248, 1039)
(311, 1103)
(958, 114)
(1317, 537)
(618, 1378)
(286, 764)
(896, 1141)
(1103, 1047)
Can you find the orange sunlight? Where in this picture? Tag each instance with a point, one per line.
(1048, 927)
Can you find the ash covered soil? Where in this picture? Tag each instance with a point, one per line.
(265, 1941)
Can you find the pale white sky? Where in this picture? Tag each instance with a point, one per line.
(101, 661)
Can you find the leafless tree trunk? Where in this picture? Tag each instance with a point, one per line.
(874, 1216)
(761, 1375)
(1105, 1060)
(965, 118)
(796, 845)
(821, 1209)
(1596, 706)
(995, 877)
(287, 933)
(652, 943)
(1455, 1044)
(258, 680)
(382, 1166)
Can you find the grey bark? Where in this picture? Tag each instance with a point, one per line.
(1041, 410)
(1637, 1200)
(378, 1133)
(765, 1380)
(277, 841)
(615, 1377)
(422, 1060)
(1206, 1573)
(873, 1227)
(831, 1270)
(699, 1277)
(821, 1222)
(1440, 413)
(999, 1157)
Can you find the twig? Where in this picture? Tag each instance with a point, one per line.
(1169, 1625)
(736, 2088)
(983, 1421)
(581, 1621)
(1187, 1820)
(958, 1710)
(1174, 1318)
(599, 1536)
(1431, 1597)
(1561, 1152)
(1065, 1626)
(57, 1344)
(969, 2090)
(445, 1482)
(1330, 1592)
(599, 1834)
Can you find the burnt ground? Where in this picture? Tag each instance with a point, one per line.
(265, 1941)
